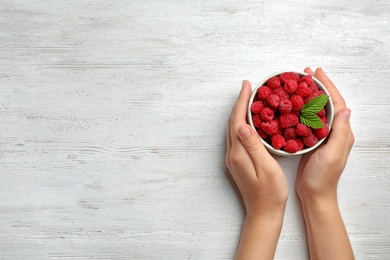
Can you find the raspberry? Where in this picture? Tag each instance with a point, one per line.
(262, 134)
(290, 86)
(278, 141)
(310, 140)
(263, 92)
(307, 99)
(256, 107)
(273, 100)
(300, 144)
(303, 90)
(318, 92)
(280, 93)
(323, 119)
(291, 146)
(285, 106)
(289, 75)
(322, 113)
(289, 133)
(313, 86)
(303, 130)
(306, 79)
(274, 83)
(267, 114)
(288, 120)
(297, 102)
(271, 127)
(257, 120)
(322, 132)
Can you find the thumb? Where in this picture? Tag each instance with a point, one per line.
(341, 135)
(252, 143)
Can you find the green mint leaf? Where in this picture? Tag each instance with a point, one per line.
(315, 105)
(311, 120)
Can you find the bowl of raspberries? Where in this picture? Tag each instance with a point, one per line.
(292, 112)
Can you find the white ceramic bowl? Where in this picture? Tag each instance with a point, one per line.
(329, 115)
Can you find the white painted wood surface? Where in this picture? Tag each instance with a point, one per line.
(113, 117)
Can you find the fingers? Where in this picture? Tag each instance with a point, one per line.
(238, 115)
(338, 100)
(252, 144)
(309, 71)
(341, 138)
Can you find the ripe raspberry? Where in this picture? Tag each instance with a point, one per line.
(306, 79)
(290, 86)
(313, 86)
(322, 113)
(257, 120)
(303, 90)
(289, 75)
(310, 140)
(273, 100)
(318, 92)
(288, 120)
(281, 93)
(262, 134)
(291, 146)
(307, 99)
(303, 130)
(256, 107)
(322, 132)
(263, 92)
(297, 102)
(267, 114)
(285, 106)
(323, 119)
(289, 133)
(274, 83)
(271, 127)
(278, 141)
(300, 144)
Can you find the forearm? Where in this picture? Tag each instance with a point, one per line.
(259, 237)
(327, 236)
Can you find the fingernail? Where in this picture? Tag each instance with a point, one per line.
(346, 114)
(244, 131)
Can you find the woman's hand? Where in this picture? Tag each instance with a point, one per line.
(260, 180)
(316, 184)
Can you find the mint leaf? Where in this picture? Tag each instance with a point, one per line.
(311, 120)
(315, 105)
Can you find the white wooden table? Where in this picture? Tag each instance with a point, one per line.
(113, 116)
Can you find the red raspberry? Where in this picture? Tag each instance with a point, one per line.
(318, 92)
(289, 133)
(278, 141)
(285, 106)
(267, 114)
(303, 90)
(322, 132)
(300, 144)
(273, 100)
(307, 99)
(274, 83)
(289, 75)
(290, 86)
(310, 140)
(307, 79)
(256, 107)
(323, 119)
(313, 86)
(281, 93)
(257, 120)
(322, 113)
(263, 92)
(271, 127)
(291, 146)
(303, 130)
(262, 134)
(297, 102)
(288, 120)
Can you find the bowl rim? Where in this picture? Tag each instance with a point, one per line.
(329, 114)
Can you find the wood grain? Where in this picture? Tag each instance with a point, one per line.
(113, 119)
